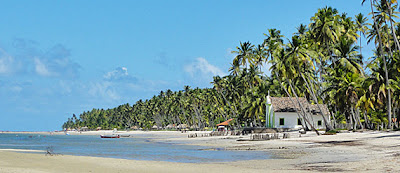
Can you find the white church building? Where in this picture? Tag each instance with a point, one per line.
(281, 113)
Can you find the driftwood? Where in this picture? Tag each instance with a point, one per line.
(50, 151)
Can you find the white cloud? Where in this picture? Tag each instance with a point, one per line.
(6, 63)
(203, 67)
(104, 90)
(119, 74)
(16, 89)
(200, 72)
(57, 63)
(65, 87)
(29, 59)
(40, 68)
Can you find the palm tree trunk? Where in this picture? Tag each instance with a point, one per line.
(391, 25)
(327, 124)
(334, 120)
(298, 114)
(211, 121)
(366, 120)
(184, 115)
(223, 114)
(386, 72)
(229, 103)
(291, 99)
(301, 107)
(196, 111)
(354, 120)
(389, 99)
(359, 118)
(230, 107)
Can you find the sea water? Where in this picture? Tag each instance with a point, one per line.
(136, 148)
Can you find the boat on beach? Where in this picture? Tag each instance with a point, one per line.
(109, 136)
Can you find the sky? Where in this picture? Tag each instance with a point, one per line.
(59, 58)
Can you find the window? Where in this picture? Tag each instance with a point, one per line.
(298, 121)
(281, 121)
(319, 122)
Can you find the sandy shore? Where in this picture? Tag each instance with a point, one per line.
(344, 152)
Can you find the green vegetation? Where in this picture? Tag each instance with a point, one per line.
(331, 132)
(321, 62)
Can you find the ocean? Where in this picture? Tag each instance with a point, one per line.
(135, 148)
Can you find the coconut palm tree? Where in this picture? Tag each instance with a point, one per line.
(259, 56)
(347, 56)
(381, 53)
(325, 29)
(362, 26)
(272, 42)
(299, 58)
(285, 71)
(244, 53)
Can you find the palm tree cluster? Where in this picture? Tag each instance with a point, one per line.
(194, 108)
(321, 61)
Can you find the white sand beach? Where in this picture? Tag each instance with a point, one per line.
(367, 151)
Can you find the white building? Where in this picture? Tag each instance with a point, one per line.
(283, 113)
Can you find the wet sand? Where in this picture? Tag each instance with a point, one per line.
(345, 152)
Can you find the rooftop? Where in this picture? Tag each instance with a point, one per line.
(284, 104)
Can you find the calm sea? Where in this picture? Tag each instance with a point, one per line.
(137, 148)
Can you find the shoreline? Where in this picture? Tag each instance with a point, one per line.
(369, 151)
(26, 162)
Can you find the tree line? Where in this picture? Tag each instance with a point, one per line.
(322, 61)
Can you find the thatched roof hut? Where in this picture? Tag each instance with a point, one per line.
(182, 126)
(194, 127)
(170, 126)
(134, 127)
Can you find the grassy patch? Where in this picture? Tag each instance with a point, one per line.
(330, 132)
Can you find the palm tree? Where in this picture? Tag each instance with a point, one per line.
(376, 28)
(301, 30)
(259, 55)
(244, 53)
(272, 42)
(235, 67)
(361, 22)
(219, 87)
(347, 56)
(284, 72)
(324, 28)
(385, 12)
(299, 56)
(348, 27)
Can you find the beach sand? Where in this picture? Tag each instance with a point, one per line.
(345, 152)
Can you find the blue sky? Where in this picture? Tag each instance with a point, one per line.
(59, 58)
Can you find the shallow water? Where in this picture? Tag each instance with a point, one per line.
(139, 148)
